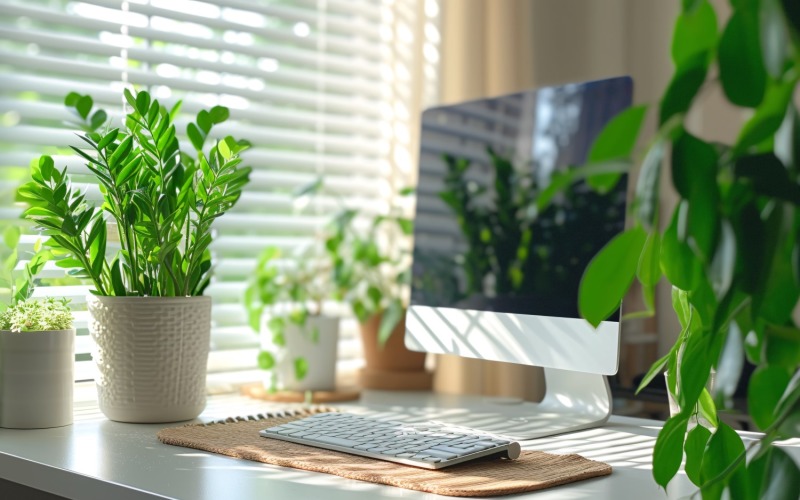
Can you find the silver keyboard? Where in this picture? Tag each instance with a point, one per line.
(429, 445)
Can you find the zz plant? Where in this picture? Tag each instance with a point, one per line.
(731, 248)
(160, 200)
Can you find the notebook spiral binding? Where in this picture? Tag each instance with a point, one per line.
(295, 412)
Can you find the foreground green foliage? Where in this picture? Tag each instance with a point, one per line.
(37, 315)
(159, 200)
(731, 248)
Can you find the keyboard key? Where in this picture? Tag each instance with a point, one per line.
(432, 460)
(441, 454)
(337, 441)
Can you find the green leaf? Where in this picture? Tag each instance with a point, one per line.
(723, 449)
(390, 319)
(195, 136)
(129, 97)
(204, 121)
(406, 226)
(117, 284)
(649, 271)
(374, 295)
(683, 87)
(695, 368)
(656, 369)
(46, 167)
(647, 190)
(731, 362)
(142, 103)
(98, 119)
(767, 385)
(774, 37)
(11, 237)
(768, 116)
(781, 348)
(768, 176)
(694, 175)
(668, 450)
(707, 407)
(219, 114)
(266, 361)
(108, 139)
(694, 447)
(741, 68)
(609, 275)
(695, 32)
(84, 106)
(724, 262)
(678, 262)
(792, 10)
(71, 100)
(618, 137)
(300, 368)
(782, 478)
(615, 141)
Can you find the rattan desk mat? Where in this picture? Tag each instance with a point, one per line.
(534, 470)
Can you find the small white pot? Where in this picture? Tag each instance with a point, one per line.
(150, 355)
(320, 355)
(36, 378)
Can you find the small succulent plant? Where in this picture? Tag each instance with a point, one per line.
(37, 315)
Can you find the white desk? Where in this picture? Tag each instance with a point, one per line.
(97, 458)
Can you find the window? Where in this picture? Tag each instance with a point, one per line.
(320, 87)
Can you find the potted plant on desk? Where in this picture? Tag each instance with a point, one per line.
(730, 249)
(148, 317)
(37, 348)
(371, 272)
(298, 340)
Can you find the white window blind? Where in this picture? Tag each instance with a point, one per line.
(320, 87)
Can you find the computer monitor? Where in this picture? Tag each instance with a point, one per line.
(493, 277)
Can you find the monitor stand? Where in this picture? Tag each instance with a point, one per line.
(573, 401)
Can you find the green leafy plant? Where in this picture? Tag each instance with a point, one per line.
(37, 315)
(371, 264)
(731, 248)
(19, 289)
(160, 200)
(22, 313)
(292, 289)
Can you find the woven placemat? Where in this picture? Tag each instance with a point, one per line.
(534, 470)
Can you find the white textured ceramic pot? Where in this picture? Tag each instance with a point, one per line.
(150, 356)
(318, 349)
(36, 378)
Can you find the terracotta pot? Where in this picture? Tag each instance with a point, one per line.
(393, 355)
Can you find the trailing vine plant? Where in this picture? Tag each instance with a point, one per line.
(731, 248)
(160, 200)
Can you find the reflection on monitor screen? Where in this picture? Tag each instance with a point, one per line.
(479, 243)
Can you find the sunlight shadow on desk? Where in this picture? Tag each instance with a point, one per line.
(618, 449)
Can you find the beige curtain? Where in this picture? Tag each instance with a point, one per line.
(485, 50)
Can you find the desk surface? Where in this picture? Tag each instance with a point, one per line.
(97, 458)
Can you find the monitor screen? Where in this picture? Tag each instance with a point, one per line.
(479, 241)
